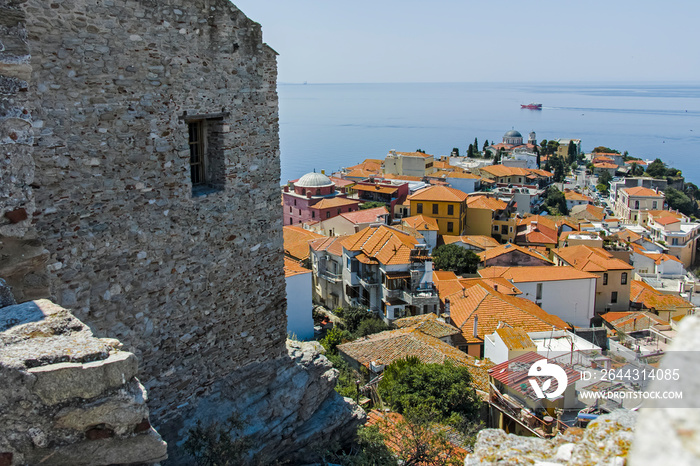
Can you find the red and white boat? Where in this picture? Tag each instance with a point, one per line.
(532, 106)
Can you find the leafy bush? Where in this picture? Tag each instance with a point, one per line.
(217, 445)
(333, 338)
(444, 391)
(455, 258)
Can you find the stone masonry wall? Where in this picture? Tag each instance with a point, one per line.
(191, 284)
(66, 397)
(16, 136)
(22, 258)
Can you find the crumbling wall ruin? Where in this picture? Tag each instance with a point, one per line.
(66, 397)
(100, 102)
(190, 283)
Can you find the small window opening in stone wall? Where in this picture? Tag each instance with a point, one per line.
(206, 144)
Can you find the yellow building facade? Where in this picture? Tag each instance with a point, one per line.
(446, 205)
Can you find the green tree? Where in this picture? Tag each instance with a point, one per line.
(476, 145)
(470, 151)
(455, 258)
(571, 153)
(657, 169)
(353, 316)
(605, 150)
(371, 205)
(420, 150)
(486, 144)
(441, 391)
(636, 170)
(680, 201)
(555, 201)
(370, 326)
(552, 147)
(347, 376)
(499, 155)
(455, 152)
(556, 165)
(333, 338)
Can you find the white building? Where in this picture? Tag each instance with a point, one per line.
(563, 291)
(300, 322)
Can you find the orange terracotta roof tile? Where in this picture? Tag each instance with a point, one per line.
(370, 165)
(494, 310)
(667, 220)
(292, 268)
(438, 193)
(382, 244)
(388, 346)
(628, 235)
(641, 163)
(331, 244)
(485, 202)
(571, 195)
(664, 213)
(296, 241)
(603, 158)
(414, 154)
(588, 212)
(515, 338)
(649, 298)
(542, 173)
(341, 182)
(606, 165)
(538, 273)
(509, 248)
(502, 170)
(591, 259)
(419, 222)
(428, 324)
(478, 241)
(391, 176)
(360, 173)
(365, 216)
(334, 202)
(376, 188)
(499, 284)
(640, 191)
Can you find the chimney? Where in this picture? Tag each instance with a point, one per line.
(323, 172)
(476, 324)
(286, 189)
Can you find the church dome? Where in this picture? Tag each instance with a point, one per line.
(313, 180)
(512, 134)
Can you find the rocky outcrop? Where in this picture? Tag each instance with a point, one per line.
(66, 397)
(288, 405)
(606, 441)
(669, 432)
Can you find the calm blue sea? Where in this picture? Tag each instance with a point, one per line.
(328, 126)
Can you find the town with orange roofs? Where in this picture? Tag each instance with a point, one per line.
(522, 252)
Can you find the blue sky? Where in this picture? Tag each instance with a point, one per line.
(332, 41)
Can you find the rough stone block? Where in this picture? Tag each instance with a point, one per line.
(145, 448)
(60, 382)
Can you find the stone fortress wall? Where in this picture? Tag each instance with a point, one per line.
(98, 211)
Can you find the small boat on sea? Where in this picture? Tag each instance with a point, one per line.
(532, 106)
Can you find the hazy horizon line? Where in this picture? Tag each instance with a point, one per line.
(666, 82)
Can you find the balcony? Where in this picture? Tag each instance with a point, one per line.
(392, 294)
(330, 276)
(368, 280)
(418, 295)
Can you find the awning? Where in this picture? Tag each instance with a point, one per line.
(398, 275)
